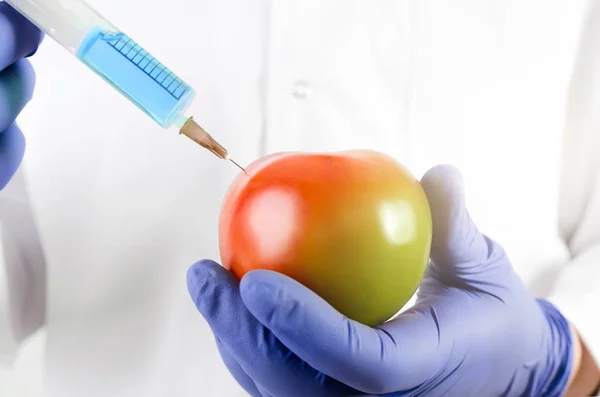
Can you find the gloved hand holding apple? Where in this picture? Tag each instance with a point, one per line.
(314, 237)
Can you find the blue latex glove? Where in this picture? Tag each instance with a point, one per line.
(18, 39)
(474, 331)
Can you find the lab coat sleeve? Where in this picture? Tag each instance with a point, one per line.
(576, 291)
(22, 270)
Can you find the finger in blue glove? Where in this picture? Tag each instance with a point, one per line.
(270, 364)
(18, 39)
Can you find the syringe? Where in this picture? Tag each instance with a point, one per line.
(121, 62)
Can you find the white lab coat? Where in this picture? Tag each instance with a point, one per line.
(109, 210)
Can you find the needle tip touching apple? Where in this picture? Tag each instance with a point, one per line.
(354, 227)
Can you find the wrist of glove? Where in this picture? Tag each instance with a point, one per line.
(474, 330)
(558, 371)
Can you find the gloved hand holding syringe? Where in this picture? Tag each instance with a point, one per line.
(121, 62)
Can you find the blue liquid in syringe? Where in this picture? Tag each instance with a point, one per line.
(137, 75)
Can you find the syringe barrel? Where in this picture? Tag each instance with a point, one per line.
(114, 56)
(66, 21)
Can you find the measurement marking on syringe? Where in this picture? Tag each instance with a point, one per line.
(125, 46)
(174, 82)
(135, 55)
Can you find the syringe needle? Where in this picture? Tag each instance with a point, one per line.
(237, 165)
(192, 130)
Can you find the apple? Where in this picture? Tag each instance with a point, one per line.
(353, 226)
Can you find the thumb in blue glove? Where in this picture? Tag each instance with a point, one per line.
(474, 330)
(18, 40)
